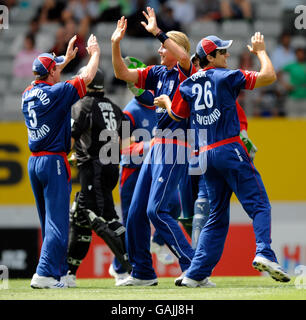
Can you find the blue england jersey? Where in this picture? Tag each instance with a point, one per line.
(47, 113)
(163, 81)
(208, 97)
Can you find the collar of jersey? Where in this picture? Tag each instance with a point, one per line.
(207, 68)
(175, 68)
(41, 81)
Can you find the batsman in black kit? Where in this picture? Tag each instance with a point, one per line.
(95, 117)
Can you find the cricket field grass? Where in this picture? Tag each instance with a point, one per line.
(227, 288)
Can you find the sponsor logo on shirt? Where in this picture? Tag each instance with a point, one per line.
(58, 167)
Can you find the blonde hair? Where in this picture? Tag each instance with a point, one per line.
(180, 38)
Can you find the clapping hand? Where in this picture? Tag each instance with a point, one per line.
(258, 43)
(71, 51)
(119, 33)
(92, 45)
(151, 25)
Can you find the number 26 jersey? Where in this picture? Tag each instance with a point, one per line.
(208, 97)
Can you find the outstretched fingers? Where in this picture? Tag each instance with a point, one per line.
(71, 51)
(122, 23)
(146, 15)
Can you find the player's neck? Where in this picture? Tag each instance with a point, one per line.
(210, 66)
(171, 66)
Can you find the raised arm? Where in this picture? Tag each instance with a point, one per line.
(266, 75)
(120, 69)
(93, 50)
(70, 53)
(177, 51)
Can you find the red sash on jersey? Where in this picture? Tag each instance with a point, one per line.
(63, 154)
(134, 149)
(168, 141)
(223, 142)
(125, 173)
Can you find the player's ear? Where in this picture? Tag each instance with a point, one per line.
(52, 71)
(210, 58)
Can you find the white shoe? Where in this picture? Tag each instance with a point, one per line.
(131, 281)
(178, 281)
(162, 253)
(69, 279)
(40, 282)
(274, 269)
(205, 283)
(118, 276)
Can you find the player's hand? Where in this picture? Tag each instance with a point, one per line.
(119, 32)
(258, 43)
(162, 101)
(151, 25)
(92, 45)
(71, 51)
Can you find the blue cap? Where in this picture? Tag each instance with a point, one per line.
(45, 62)
(211, 43)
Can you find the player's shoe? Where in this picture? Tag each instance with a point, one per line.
(69, 279)
(178, 281)
(40, 282)
(274, 269)
(162, 253)
(131, 281)
(205, 283)
(118, 276)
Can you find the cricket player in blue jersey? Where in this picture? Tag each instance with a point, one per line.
(209, 99)
(156, 180)
(193, 191)
(140, 114)
(46, 105)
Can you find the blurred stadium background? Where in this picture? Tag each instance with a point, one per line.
(279, 135)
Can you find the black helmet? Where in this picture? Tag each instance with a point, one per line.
(98, 82)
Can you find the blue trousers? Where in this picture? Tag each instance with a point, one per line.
(126, 190)
(157, 180)
(49, 181)
(128, 179)
(229, 169)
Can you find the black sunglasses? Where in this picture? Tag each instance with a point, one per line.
(222, 51)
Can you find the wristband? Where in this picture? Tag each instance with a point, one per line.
(161, 36)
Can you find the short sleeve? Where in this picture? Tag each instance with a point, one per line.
(79, 84)
(142, 77)
(241, 79)
(180, 108)
(183, 75)
(248, 77)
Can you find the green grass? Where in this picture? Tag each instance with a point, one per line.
(228, 288)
